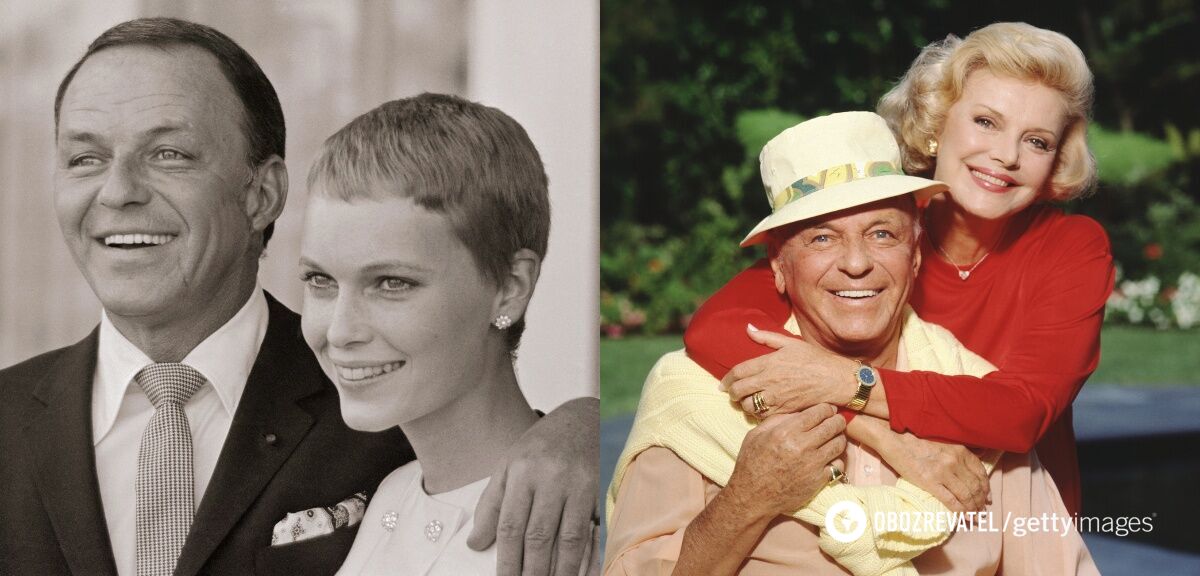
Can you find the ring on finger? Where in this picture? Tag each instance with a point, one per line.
(835, 475)
(760, 405)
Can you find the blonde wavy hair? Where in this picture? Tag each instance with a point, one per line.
(916, 107)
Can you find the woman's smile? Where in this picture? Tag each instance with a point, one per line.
(348, 373)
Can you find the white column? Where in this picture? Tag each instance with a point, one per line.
(538, 60)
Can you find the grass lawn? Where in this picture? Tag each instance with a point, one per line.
(1129, 356)
(623, 367)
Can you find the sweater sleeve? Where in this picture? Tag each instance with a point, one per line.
(1012, 408)
(716, 337)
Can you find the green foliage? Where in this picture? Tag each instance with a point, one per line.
(690, 91)
(1153, 223)
(1128, 157)
(651, 282)
(754, 128)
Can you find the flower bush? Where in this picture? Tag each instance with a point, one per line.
(651, 282)
(1148, 301)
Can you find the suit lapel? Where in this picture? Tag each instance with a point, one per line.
(59, 434)
(248, 460)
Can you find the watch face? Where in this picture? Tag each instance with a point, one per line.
(866, 375)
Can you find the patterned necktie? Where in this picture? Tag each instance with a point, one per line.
(164, 486)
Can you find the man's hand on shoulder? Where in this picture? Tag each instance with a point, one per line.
(539, 508)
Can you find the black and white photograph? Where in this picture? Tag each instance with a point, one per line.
(299, 287)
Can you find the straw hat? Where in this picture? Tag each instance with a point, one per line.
(832, 163)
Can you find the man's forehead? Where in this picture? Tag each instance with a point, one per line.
(161, 87)
(128, 59)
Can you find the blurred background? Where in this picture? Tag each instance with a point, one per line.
(329, 62)
(690, 92)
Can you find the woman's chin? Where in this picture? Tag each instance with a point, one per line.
(366, 417)
(991, 206)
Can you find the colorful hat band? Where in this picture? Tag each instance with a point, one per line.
(829, 177)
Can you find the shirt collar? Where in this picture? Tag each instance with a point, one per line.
(224, 358)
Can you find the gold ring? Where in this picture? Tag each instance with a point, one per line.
(835, 475)
(760, 405)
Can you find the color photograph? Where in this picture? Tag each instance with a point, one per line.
(969, 341)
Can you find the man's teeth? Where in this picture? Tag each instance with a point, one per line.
(145, 239)
(856, 293)
(989, 178)
(368, 372)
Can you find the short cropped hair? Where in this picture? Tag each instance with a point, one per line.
(916, 107)
(471, 162)
(262, 119)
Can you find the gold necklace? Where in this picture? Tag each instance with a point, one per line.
(962, 274)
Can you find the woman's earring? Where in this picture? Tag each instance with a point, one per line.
(933, 147)
(502, 322)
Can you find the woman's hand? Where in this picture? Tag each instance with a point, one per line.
(784, 461)
(794, 377)
(952, 473)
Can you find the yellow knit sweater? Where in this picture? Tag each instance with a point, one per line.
(683, 410)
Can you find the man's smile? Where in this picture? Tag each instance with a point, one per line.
(129, 241)
(857, 294)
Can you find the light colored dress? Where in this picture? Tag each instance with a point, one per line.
(427, 534)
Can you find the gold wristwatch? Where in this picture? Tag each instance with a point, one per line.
(867, 377)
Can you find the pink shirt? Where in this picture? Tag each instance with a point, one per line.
(661, 494)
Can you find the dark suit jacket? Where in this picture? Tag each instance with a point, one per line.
(287, 450)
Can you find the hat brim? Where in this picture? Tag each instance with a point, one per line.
(843, 196)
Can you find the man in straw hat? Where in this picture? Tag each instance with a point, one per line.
(704, 488)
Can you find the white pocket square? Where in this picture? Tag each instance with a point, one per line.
(320, 521)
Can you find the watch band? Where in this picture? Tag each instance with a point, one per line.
(867, 377)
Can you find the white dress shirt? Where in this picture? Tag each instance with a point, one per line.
(121, 411)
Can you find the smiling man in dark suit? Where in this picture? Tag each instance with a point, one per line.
(168, 178)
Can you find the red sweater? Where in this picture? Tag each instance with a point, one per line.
(1033, 309)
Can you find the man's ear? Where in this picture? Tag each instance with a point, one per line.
(516, 287)
(777, 269)
(267, 193)
(917, 255)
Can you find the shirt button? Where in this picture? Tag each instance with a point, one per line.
(868, 469)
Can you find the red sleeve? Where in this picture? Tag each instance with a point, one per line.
(716, 337)
(1011, 409)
